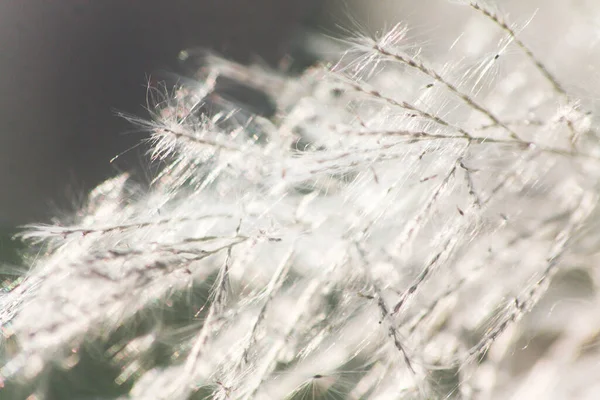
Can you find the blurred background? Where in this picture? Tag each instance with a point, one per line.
(67, 66)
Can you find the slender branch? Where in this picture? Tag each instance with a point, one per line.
(413, 63)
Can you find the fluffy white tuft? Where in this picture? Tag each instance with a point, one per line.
(397, 227)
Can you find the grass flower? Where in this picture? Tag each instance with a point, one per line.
(381, 226)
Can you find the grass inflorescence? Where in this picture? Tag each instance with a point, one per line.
(379, 226)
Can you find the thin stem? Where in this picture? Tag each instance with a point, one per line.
(511, 33)
(405, 59)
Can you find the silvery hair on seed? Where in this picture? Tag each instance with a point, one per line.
(393, 222)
